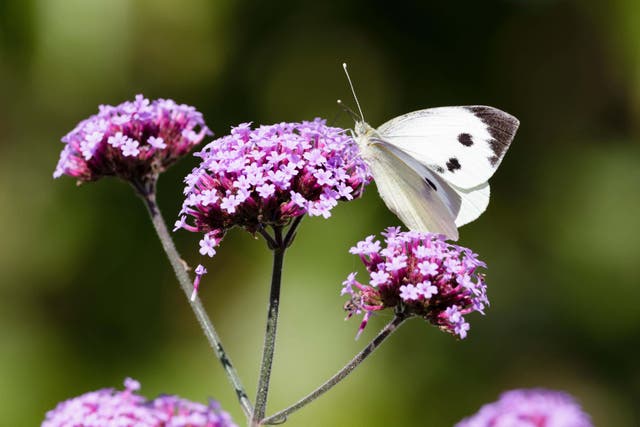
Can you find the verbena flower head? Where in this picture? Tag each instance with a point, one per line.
(268, 175)
(109, 407)
(530, 408)
(132, 140)
(419, 274)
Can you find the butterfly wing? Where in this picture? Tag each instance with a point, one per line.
(465, 204)
(474, 201)
(464, 145)
(412, 196)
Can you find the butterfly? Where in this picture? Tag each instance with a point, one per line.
(432, 166)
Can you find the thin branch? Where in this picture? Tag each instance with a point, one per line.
(147, 193)
(291, 234)
(281, 416)
(271, 242)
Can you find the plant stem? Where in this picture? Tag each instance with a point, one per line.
(278, 245)
(291, 234)
(281, 416)
(147, 193)
(271, 328)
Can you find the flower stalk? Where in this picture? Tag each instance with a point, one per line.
(146, 190)
(278, 244)
(391, 327)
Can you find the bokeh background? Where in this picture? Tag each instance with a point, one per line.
(87, 297)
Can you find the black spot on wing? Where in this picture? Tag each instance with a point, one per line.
(465, 139)
(453, 164)
(438, 169)
(431, 184)
(502, 127)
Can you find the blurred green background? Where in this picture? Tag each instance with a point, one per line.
(87, 297)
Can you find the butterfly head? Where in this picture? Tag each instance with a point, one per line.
(363, 129)
(365, 136)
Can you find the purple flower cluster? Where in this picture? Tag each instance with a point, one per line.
(108, 407)
(530, 408)
(266, 176)
(132, 140)
(420, 274)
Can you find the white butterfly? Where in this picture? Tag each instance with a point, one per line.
(432, 166)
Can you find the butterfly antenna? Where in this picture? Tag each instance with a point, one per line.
(344, 65)
(348, 110)
(333, 121)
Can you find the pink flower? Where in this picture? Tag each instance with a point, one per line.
(109, 407)
(412, 273)
(530, 408)
(134, 140)
(269, 175)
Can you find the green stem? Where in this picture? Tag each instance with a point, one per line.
(281, 416)
(271, 328)
(147, 193)
(278, 243)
